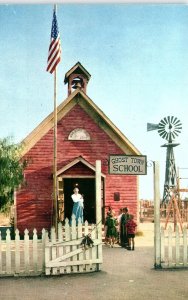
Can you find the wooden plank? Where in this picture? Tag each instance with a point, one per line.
(53, 248)
(1, 266)
(94, 248)
(86, 253)
(162, 245)
(35, 251)
(60, 246)
(177, 245)
(80, 255)
(47, 260)
(170, 246)
(17, 251)
(8, 252)
(67, 255)
(74, 247)
(44, 241)
(98, 208)
(185, 262)
(87, 262)
(73, 243)
(26, 251)
(67, 238)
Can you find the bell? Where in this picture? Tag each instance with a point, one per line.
(77, 85)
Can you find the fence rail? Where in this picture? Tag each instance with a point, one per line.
(174, 252)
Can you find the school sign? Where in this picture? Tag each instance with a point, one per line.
(128, 164)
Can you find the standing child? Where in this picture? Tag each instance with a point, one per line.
(123, 231)
(111, 232)
(131, 228)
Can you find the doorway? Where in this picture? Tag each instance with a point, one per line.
(87, 188)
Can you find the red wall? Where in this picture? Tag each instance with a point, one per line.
(34, 200)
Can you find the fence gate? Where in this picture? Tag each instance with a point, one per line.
(67, 254)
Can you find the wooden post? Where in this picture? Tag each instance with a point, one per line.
(98, 209)
(98, 191)
(157, 238)
(55, 220)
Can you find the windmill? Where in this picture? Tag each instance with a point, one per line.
(168, 128)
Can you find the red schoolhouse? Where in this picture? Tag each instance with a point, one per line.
(84, 134)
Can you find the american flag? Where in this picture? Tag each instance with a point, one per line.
(54, 53)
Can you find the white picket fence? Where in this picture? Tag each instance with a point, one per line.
(66, 254)
(174, 248)
(22, 256)
(51, 255)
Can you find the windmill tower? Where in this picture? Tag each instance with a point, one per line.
(168, 128)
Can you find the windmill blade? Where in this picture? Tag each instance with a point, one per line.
(178, 128)
(162, 122)
(172, 119)
(151, 126)
(163, 134)
(169, 119)
(173, 134)
(177, 122)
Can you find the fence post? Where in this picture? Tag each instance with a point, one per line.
(1, 266)
(157, 238)
(98, 209)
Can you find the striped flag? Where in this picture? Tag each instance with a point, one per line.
(54, 53)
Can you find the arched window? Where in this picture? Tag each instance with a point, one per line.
(79, 134)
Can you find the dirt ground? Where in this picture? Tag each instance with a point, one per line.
(125, 275)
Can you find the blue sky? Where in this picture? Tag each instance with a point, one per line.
(137, 55)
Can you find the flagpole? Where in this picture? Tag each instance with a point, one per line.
(55, 149)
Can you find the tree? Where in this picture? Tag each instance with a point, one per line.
(11, 171)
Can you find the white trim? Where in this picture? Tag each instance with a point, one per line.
(74, 162)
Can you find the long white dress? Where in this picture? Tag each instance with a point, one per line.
(77, 207)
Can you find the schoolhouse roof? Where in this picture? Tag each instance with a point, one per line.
(79, 97)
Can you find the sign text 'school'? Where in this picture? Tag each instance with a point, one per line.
(128, 164)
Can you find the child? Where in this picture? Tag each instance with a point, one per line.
(111, 232)
(131, 227)
(123, 231)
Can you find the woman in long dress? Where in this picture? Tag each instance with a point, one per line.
(78, 205)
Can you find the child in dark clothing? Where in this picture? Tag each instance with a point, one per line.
(131, 228)
(111, 232)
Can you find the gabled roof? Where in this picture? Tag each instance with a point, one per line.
(79, 97)
(79, 69)
(74, 162)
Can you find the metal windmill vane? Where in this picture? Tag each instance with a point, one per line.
(168, 128)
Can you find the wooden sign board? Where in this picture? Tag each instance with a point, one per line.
(128, 164)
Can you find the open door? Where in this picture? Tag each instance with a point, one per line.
(87, 188)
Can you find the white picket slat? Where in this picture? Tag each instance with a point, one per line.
(162, 245)
(1, 260)
(74, 237)
(17, 251)
(35, 251)
(8, 252)
(80, 237)
(67, 238)
(177, 245)
(185, 246)
(26, 251)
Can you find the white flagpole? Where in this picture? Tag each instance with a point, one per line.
(55, 221)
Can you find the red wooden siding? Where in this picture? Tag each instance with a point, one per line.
(34, 201)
